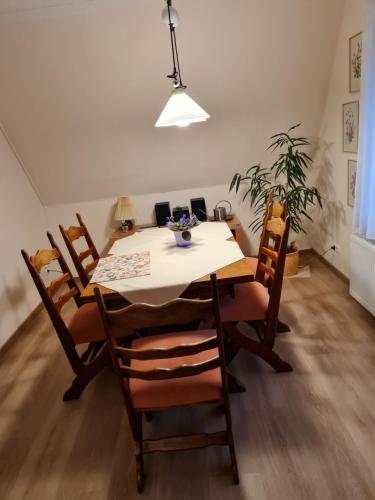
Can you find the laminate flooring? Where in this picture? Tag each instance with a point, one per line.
(308, 434)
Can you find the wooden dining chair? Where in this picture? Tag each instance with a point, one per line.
(258, 302)
(72, 234)
(168, 370)
(273, 209)
(85, 327)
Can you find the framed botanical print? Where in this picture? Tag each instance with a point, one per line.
(350, 118)
(355, 62)
(352, 177)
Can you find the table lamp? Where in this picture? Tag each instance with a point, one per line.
(125, 213)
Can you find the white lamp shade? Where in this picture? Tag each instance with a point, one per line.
(124, 209)
(181, 111)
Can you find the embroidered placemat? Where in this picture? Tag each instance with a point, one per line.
(120, 267)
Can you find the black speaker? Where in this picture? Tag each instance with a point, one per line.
(162, 212)
(198, 208)
(178, 212)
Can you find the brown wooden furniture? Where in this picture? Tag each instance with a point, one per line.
(272, 210)
(85, 327)
(72, 234)
(170, 370)
(258, 304)
(238, 272)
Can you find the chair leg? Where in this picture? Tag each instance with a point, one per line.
(258, 348)
(233, 461)
(139, 455)
(232, 451)
(282, 327)
(87, 373)
(231, 350)
(254, 325)
(140, 473)
(148, 415)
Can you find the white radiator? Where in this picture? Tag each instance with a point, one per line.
(362, 272)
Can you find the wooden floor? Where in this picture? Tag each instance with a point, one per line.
(302, 435)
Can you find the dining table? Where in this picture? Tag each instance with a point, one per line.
(228, 275)
(169, 278)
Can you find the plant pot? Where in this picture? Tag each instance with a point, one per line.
(183, 238)
(291, 263)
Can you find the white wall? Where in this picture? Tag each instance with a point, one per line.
(98, 214)
(334, 224)
(22, 225)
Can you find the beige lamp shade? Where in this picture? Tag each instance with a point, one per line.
(124, 209)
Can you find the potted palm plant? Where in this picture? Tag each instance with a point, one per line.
(286, 179)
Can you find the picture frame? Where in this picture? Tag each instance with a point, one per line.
(350, 118)
(352, 178)
(355, 62)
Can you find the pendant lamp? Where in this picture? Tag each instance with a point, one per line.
(180, 110)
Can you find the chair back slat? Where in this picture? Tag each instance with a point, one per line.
(64, 299)
(176, 312)
(43, 257)
(268, 270)
(86, 253)
(171, 373)
(90, 267)
(72, 234)
(279, 210)
(272, 254)
(166, 353)
(75, 232)
(276, 227)
(56, 284)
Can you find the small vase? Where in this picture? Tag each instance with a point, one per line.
(183, 238)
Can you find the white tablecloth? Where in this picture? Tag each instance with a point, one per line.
(174, 268)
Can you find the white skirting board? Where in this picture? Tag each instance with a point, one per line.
(362, 272)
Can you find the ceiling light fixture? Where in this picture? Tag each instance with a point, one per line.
(180, 109)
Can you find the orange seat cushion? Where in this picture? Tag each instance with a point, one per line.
(250, 303)
(252, 262)
(86, 325)
(184, 391)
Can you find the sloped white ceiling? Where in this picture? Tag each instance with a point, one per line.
(26, 8)
(19, 5)
(79, 94)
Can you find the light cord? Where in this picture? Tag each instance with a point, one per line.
(176, 75)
